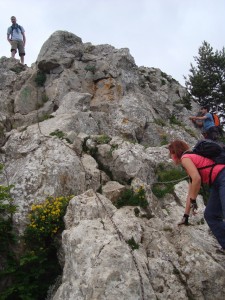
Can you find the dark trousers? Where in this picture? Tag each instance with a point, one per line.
(212, 133)
(215, 209)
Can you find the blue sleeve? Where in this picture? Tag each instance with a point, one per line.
(209, 116)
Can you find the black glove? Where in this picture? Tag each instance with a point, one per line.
(184, 220)
(194, 205)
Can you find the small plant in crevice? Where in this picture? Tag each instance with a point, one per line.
(163, 82)
(164, 139)
(104, 168)
(61, 135)
(133, 245)
(167, 229)
(113, 147)
(39, 105)
(90, 150)
(177, 92)
(40, 78)
(160, 122)
(94, 153)
(17, 69)
(58, 133)
(167, 77)
(103, 139)
(136, 211)
(44, 98)
(176, 271)
(166, 179)
(99, 190)
(129, 197)
(175, 121)
(90, 68)
(44, 118)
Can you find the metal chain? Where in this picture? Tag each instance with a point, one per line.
(172, 181)
(121, 237)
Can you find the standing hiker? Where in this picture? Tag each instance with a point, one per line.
(17, 39)
(209, 129)
(195, 166)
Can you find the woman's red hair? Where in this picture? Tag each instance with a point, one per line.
(178, 147)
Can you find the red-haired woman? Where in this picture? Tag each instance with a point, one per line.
(215, 208)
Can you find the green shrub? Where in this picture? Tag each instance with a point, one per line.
(44, 98)
(132, 198)
(90, 68)
(133, 245)
(7, 209)
(160, 122)
(40, 78)
(46, 219)
(103, 139)
(168, 78)
(170, 176)
(7, 236)
(45, 117)
(175, 121)
(60, 135)
(17, 69)
(113, 147)
(30, 276)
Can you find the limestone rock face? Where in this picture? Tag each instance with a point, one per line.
(170, 263)
(85, 120)
(112, 190)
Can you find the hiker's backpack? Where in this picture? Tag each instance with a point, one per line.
(15, 27)
(216, 119)
(211, 150)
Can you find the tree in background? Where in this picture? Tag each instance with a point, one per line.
(206, 81)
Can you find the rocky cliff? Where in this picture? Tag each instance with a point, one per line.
(114, 120)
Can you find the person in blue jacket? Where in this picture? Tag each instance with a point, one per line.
(209, 130)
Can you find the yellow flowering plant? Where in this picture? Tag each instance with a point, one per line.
(46, 220)
(38, 267)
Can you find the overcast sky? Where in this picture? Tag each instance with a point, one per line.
(163, 34)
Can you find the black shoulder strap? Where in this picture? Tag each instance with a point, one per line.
(15, 27)
(205, 167)
(210, 174)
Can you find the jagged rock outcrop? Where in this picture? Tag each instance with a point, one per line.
(85, 119)
(170, 263)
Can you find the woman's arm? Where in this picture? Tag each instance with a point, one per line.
(195, 177)
(194, 186)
